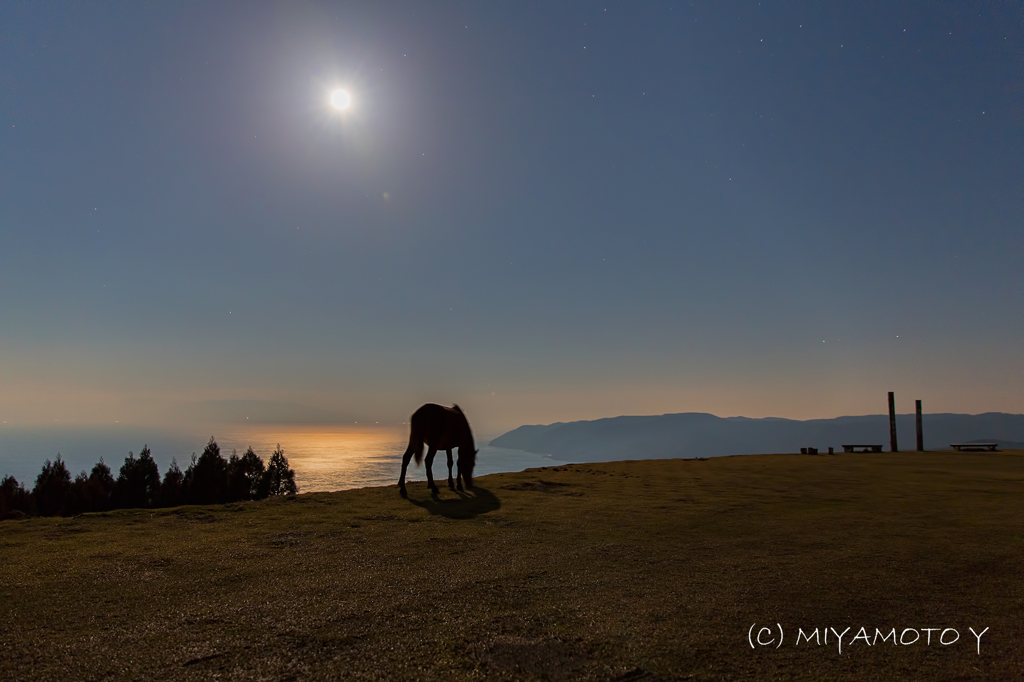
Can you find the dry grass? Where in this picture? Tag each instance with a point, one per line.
(628, 571)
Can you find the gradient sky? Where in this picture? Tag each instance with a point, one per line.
(541, 211)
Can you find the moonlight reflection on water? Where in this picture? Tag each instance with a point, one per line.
(327, 457)
(342, 457)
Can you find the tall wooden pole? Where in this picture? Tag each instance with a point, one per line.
(892, 422)
(920, 428)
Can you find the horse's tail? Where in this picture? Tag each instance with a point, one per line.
(415, 443)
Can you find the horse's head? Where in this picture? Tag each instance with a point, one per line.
(467, 461)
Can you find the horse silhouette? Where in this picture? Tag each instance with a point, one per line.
(441, 428)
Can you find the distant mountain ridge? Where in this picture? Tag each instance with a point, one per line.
(698, 434)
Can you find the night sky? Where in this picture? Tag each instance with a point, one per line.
(541, 211)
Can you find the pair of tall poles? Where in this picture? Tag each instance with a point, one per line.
(892, 424)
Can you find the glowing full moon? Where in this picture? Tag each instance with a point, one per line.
(340, 99)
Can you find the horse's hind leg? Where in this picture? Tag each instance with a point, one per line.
(451, 483)
(405, 465)
(430, 463)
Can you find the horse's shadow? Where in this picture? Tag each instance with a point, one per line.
(465, 506)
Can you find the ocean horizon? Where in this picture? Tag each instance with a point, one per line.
(325, 457)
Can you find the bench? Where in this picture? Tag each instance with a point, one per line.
(863, 448)
(974, 447)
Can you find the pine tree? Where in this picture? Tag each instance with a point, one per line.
(173, 488)
(15, 501)
(52, 487)
(279, 479)
(101, 487)
(138, 483)
(245, 476)
(207, 477)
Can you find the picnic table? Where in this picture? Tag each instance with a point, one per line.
(863, 448)
(974, 447)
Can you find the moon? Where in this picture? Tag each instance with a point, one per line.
(341, 100)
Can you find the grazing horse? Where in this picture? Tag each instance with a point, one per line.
(441, 428)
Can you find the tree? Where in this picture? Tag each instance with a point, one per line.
(76, 500)
(186, 484)
(279, 479)
(150, 476)
(15, 501)
(173, 488)
(245, 476)
(90, 492)
(52, 485)
(101, 487)
(207, 477)
(138, 483)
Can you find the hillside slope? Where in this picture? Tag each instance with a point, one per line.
(648, 570)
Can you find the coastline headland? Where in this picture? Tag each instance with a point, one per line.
(698, 434)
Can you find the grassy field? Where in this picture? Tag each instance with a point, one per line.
(639, 570)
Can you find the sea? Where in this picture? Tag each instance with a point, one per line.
(325, 457)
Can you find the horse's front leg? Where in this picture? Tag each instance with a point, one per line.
(451, 483)
(430, 464)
